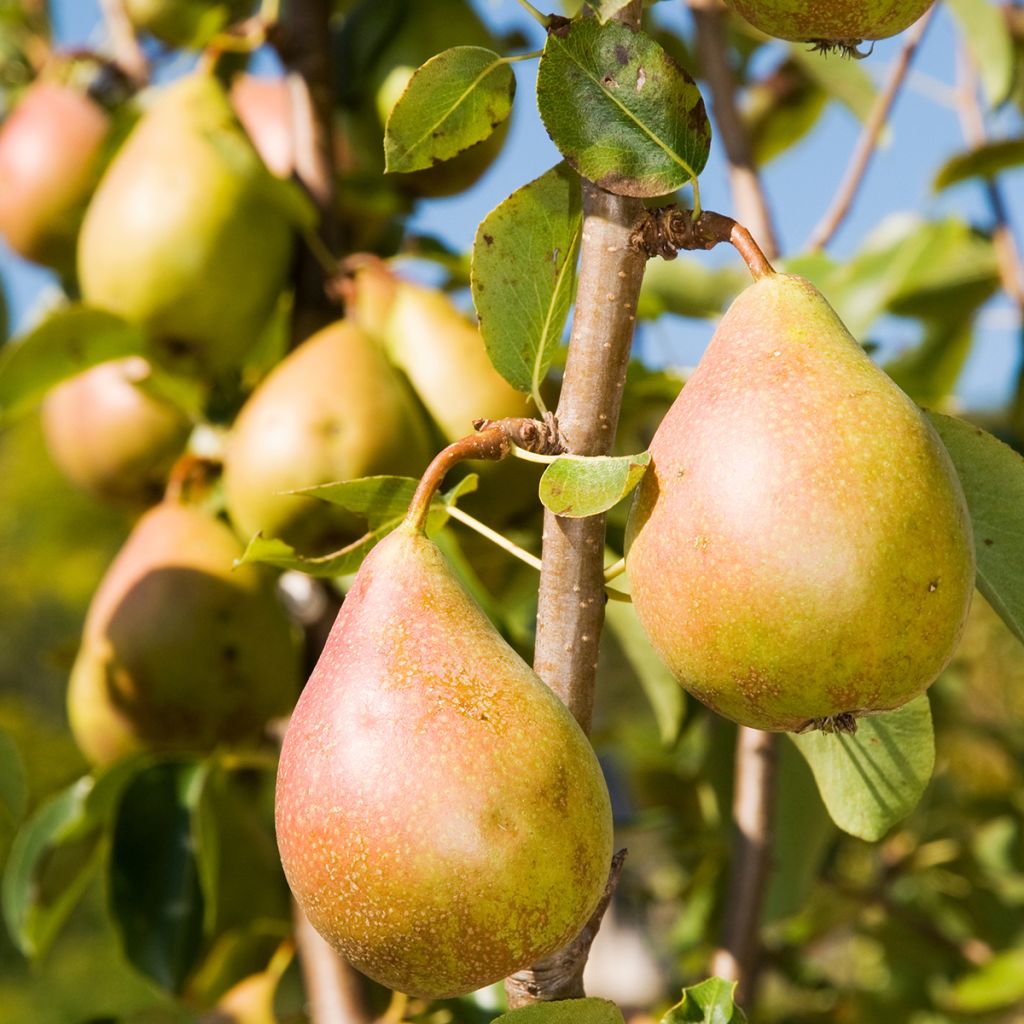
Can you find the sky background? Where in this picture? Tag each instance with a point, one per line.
(799, 184)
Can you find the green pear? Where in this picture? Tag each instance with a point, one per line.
(424, 774)
(189, 23)
(51, 150)
(109, 436)
(800, 547)
(186, 233)
(179, 650)
(832, 22)
(334, 409)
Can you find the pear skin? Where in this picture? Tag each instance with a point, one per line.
(51, 150)
(184, 234)
(334, 409)
(111, 438)
(263, 107)
(179, 650)
(844, 22)
(190, 23)
(800, 547)
(424, 773)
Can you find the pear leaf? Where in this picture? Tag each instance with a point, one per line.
(996, 985)
(156, 899)
(575, 486)
(57, 853)
(565, 1011)
(710, 1002)
(982, 162)
(990, 44)
(524, 275)
(383, 500)
(70, 340)
(992, 476)
(452, 102)
(621, 110)
(874, 778)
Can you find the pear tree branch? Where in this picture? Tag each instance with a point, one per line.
(868, 142)
(127, 53)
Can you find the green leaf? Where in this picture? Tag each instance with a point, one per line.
(68, 341)
(710, 1002)
(992, 476)
(565, 1011)
(620, 109)
(13, 792)
(575, 486)
(781, 110)
(524, 275)
(929, 372)
(659, 685)
(156, 900)
(687, 287)
(990, 45)
(993, 986)
(983, 162)
(452, 102)
(874, 778)
(377, 499)
(56, 854)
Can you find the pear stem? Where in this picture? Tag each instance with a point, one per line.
(667, 230)
(614, 570)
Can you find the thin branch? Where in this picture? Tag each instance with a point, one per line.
(745, 183)
(866, 145)
(472, 523)
(737, 957)
(128, 53)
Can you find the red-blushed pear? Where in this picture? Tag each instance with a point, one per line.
(188, 233)
(425, 770)
(189, 23)
(109, 436)
(800, 548)
(263, 107)
(179, 650)
(334, 409)
(51, 149)
(830, 23)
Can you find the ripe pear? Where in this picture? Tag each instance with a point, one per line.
(263, 107)
(51, 149)
(190, 23)
(800, 547)
(186, 233)
(424, 775)
(334, 409)
(109, 436)
(179, 650)
(842, 23)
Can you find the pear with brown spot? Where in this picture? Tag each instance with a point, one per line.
(800, 547)
(441, 817)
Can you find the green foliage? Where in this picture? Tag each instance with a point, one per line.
(574, 486)
(985, 161)
(710, 1002)
(988, 40)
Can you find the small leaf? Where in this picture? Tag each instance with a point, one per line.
(992, 476)
(377, 499)
(710, 1002)
(565, 1011)
(524, 275)
(156, 900)
(620, 109)
(995, 985)
(990, 44)
(983, 162)
(68, 341)
(574, 486)
(452, 102)
(874, 778)
(929, 372)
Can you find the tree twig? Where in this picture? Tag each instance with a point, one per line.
(745, 183)
(866, 145)
(127, 53)
(736, 959)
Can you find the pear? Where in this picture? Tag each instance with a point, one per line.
(842, 23)
(186, 233)
(51, 149)
(334, 409)
(109, 436)
(190, 23)
(423, 775)
(263, 107)
(179, 651)
(800, 547)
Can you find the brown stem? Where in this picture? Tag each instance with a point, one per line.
(667, 230)
(302, 40)
(745, 183)
(561, 976)
(127, 53)
(866, 145)
(736, 959)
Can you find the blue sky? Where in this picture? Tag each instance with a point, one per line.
(799, 184)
